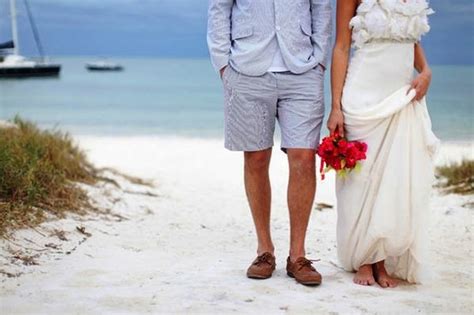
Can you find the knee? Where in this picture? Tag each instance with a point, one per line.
(304, 160)
(257, 161)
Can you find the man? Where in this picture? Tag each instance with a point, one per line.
(271, 55)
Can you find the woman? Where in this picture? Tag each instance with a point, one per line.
(382, 210)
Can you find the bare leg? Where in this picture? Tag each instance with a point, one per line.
(301, 191)
(257, 187)
(382, 277)
(364, 276)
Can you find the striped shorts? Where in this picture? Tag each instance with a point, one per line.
(254, 104)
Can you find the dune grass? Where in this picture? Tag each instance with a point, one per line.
(457, 178)
(39, 170)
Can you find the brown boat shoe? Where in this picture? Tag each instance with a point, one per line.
(262, 267)
(303, 271)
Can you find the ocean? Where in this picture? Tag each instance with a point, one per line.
(181, 97)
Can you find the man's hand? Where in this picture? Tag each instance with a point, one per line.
(421, 84)
(336, 122)
(222, 71)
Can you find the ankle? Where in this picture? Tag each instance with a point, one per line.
(366, 268)
(379, 268)
(294, 255)
(266, 249)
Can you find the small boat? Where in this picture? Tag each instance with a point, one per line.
(103, 66)
(12, 64)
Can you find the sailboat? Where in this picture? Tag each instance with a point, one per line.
(15, 65)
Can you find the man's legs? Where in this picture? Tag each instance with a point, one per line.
(257, 187)
(250, 111)
(301, 113)
(301, 192)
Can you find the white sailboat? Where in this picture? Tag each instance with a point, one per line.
(15, 65)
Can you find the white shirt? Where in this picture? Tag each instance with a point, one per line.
(278, 64)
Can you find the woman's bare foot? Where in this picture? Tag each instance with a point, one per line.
(382, 277)
(364, 275)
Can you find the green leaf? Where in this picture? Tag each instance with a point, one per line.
(342, 173)
(358, 167)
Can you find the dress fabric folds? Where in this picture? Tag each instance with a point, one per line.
(383, 209)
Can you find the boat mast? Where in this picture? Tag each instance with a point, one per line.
(16, 44)
(35, 30)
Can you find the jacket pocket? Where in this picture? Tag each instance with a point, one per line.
(306, 29)
(241, 32)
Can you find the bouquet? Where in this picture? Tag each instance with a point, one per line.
(340, 155)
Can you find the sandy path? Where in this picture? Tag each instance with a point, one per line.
(191, 254)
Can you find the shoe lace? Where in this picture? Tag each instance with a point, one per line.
(263, 259)
(307, 263)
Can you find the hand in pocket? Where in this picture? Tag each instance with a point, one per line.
(222, 71)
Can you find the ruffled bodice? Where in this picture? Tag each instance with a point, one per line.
(392, 20)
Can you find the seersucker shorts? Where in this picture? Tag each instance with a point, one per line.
(254, 104)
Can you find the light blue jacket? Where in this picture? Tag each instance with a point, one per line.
(246, 34)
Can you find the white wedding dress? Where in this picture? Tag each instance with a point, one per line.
(383, 209)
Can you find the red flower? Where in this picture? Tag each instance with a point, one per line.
(342, 145)
(362, 146)
(335, 151)
(351, 163)
(337, 164)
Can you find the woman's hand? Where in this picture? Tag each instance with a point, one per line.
(421, 84)
(336, 122)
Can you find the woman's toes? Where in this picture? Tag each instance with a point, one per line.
(364, 282)
(388, 283)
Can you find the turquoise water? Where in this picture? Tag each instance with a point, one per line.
(181, 97)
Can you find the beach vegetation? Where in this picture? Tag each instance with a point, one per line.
(457, 178)
(39, 175)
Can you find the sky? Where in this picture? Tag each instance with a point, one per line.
(177, 28)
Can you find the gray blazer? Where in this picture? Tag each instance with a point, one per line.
(246, 34)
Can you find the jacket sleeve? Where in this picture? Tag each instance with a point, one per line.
(321, 15)
(218, 32)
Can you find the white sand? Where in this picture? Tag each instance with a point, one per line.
(187, 250)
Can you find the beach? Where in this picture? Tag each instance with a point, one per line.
(184, 245)
(186, 250)
(118, 197)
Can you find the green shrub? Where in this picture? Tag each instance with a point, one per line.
(38, 172)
